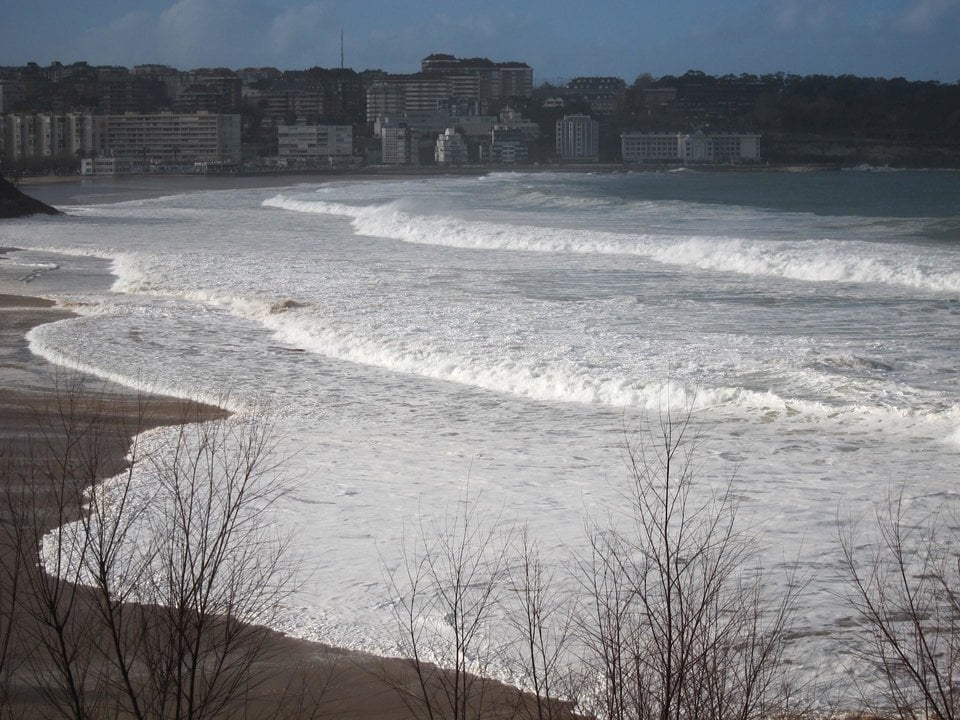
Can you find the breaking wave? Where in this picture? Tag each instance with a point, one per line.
(815, 260)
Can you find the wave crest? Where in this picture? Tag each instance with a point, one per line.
(846, 261)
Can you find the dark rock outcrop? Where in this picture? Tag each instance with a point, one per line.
(14, 204)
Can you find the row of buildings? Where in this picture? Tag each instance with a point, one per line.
(578, 139)
(453, 111)
(202, 140)
(128, 142)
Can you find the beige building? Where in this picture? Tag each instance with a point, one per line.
(170, 138)
(315, 142)
(396, 95)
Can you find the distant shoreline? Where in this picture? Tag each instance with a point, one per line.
(378, 172)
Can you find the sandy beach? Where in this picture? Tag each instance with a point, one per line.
(344, 684)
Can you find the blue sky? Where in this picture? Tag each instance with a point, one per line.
(916, 39)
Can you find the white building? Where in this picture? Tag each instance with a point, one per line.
(315, 142)
(450, 149)
(578, 138)
(396, 146)
(25, 136)
(717, 148)
(105, 166)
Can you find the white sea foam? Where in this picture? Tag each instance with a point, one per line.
(807, 260)
(40, 344)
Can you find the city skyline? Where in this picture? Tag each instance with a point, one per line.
(884, 38)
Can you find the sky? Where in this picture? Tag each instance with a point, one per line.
(560, 39)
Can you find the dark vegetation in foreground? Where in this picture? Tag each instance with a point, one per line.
(674, 620)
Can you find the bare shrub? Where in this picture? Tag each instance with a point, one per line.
(677, 623)
(541, 622)
(156, 586)
(905, 587)
(70, 448)
(445, 593)
(12, 652)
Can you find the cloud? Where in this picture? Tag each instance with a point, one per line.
(298, 30)
(805, 15)
(500, 36)
(199, 30)
(923, 16)
(130, 36)
(195, 33)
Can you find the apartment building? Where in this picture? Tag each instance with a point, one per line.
(508, 145)
(450, 148)
(447, 82)
(603, 94)
(311, 143)
(170, 138)
(496, 81)
(21, 137)
(395, 95)
(36, 135)
(699, 147)
(578, 138)
(650, 147)
(528, 129)
(287, 107)
(396, 144)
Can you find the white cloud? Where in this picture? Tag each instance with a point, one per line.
(298, 30)
(130, 36)
(793, 15)
(195, 33)
(209, 32)
(922, 16)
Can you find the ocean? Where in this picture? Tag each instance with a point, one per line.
(421, 338)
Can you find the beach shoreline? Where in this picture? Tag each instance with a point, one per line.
(378, 172)
(353, 684)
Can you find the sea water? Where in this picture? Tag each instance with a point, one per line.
(416, 337)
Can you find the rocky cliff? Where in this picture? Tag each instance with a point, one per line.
(14, 203)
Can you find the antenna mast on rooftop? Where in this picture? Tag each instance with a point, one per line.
(341, 48)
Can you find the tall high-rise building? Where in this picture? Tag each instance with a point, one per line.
(25, 136)
(578, 138)
(396, 144)
(497, 81)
